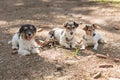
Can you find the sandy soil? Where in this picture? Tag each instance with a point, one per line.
(58, 63)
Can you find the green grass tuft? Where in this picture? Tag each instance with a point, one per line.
(76, 52)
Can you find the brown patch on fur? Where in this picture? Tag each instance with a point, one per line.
(90, 28)
(23, 36)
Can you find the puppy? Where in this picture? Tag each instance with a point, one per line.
(91, 37)
(66, 37)
(24, 40)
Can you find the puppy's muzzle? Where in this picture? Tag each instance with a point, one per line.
(71, 33)
(29, 35)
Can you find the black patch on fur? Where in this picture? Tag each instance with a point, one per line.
(94, 34)
(66, 25)
(76, 24)
(22, 29)
(84, 38)
(62, 32)
(51, 34)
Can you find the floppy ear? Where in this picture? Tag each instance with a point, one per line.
(65, 25)
(76, 24)
(35, 29)
(95, 26)
(21, 29)
(51, 33)
(85, 28)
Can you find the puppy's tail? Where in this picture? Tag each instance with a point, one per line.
(10, 42)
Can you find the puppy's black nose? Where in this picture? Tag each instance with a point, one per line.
(71, 33)
(29, 34)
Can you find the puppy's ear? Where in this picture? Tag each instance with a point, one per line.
(35, 29)
(76, 24)
(66, 24)
(21, 29)
(51, 33)
(85, 28)
(95, 26)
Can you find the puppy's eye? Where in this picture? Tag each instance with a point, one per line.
(68, 27)
(25, 28)
(31, 27)
(73, 27)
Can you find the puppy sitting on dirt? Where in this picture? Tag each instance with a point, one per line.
(24, 40)
(91, 37)
(66, 37)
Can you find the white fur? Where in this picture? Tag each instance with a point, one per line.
(25, 47)
(61, 38)
(92, 40)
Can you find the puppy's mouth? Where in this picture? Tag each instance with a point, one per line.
(29, 37)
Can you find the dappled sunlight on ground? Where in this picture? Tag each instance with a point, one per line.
(58, 63)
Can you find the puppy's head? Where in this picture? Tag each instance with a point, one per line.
(70, 27)
(27, 31)
(89, 28)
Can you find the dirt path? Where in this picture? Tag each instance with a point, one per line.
(59, 63)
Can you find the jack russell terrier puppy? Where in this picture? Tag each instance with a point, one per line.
(65, 37)
(24, 40)
(91, 37)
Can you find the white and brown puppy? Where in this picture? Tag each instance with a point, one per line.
(66, 37)
(91, 37)
(24, 40)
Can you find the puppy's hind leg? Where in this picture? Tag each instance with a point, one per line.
(14, 45)
(15, 41)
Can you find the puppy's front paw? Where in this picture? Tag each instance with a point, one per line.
(67, 46)
(23, 52)
(95, 49)
(105, 42)
(73, 46)
(35, 50)
(14, 47)
(82, 48)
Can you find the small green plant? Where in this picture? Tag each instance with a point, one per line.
(76, 52)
